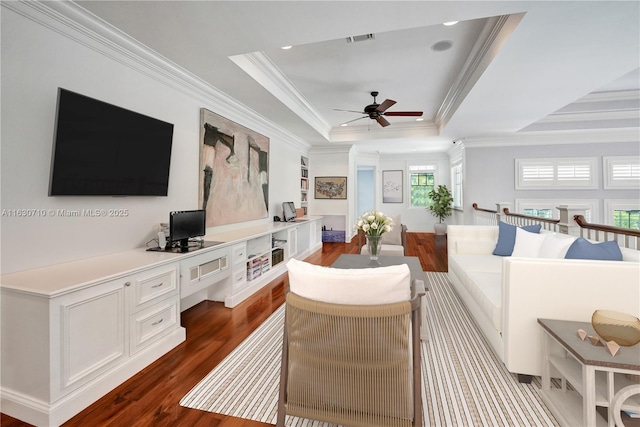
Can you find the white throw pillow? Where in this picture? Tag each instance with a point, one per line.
(527, 244)
(555, 246)
(393, 237)
(357, 286)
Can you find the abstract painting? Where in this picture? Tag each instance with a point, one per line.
(331, 187)
(392, 186)
(234, 171)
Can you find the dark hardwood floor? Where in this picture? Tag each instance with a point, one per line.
(151, 397)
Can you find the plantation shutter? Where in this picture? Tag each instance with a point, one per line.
(622, 172)
(566, 173)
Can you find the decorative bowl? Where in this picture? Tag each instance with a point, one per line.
(611, 325)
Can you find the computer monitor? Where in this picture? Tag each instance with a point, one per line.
(288, 211)
(184, 225)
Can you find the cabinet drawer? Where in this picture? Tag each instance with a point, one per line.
(239, 253)
(153, 323)
(154, 286)
(239, 279)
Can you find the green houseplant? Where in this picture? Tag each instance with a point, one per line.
(441, 207)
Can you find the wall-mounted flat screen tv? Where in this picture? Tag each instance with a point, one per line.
(104, 150)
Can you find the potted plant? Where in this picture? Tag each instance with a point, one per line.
(441, 207)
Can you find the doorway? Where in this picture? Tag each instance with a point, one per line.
(366, 189)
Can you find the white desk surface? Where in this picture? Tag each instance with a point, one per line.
(54, 280)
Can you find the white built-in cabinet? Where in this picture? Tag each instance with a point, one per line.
(72, 332)
(61, 351)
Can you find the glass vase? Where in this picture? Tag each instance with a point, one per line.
(374, 244)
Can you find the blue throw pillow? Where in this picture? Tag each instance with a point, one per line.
(507, 237)
(584, 249)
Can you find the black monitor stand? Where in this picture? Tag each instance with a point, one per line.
(184, 245)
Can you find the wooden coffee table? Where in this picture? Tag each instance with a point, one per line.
(415, 269)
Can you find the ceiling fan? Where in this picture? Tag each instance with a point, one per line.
(376, 111)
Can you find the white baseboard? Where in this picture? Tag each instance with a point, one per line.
(40, 413)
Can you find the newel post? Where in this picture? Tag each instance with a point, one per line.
(567, 224)
(500, 208)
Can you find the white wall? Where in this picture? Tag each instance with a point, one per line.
(331, 162)
(36, 60)
(417, 219)
(489, 175)
(337, 162)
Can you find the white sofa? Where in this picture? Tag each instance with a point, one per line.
(506, 295)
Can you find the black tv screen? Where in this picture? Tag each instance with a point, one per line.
(104, 150)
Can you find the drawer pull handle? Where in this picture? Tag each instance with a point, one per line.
(157, 323)
(158, 285)
(127, 283)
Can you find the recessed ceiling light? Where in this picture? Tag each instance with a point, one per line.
(344, 124)
(450, 23)
(286, 47)
(419, 119)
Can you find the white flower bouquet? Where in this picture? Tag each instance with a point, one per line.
(374, 223)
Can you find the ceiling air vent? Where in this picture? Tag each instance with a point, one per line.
(354, 39)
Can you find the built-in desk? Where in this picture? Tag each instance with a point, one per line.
(72, 332)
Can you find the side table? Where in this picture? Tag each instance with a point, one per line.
(594, 374)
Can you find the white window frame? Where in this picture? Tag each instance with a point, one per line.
(420, 167)
(611, 205)
(591, 214)
(551, 173)
(457, 187)
(621, 172)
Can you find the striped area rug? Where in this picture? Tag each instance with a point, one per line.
(464, 383)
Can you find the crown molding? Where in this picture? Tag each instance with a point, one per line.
(494, 34)
(554, 138)
(400, 130)
(263, 70)
(621, 114)
(617, 95)
(332, 149)
(76, 23)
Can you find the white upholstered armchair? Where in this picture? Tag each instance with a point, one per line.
(393, 243)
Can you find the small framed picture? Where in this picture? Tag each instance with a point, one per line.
(330, 187)
(392, 187)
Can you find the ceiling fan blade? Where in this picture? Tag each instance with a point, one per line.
(349, 111)
(385, 104)
(359, 118)
(403, 113)
(382, 121)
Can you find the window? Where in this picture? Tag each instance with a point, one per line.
(622, 213)
(621, 171)
(547, 208)
(540, 213)
(422, 181)
(565, 173)
(456, 187)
